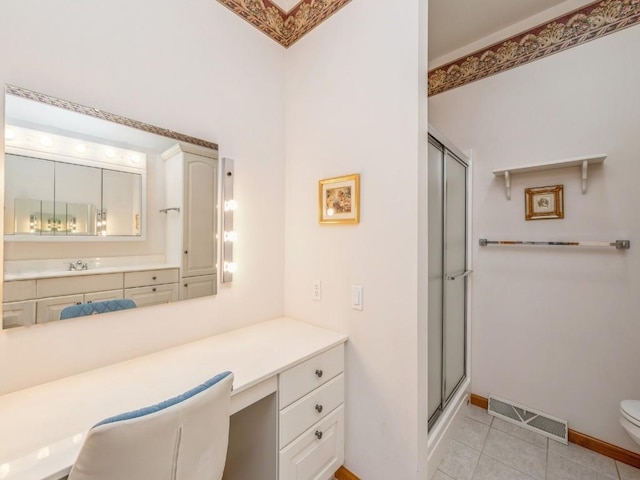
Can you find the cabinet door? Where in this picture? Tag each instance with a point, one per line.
(194, 287)
(103, 296)
(48, 310)
(18, 314)
(317, 453)
(199, 255)
(144, 296)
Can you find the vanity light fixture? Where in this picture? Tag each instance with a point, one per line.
(46, 141)
(9, 134)
(230, 235)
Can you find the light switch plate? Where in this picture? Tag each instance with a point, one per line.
(356, 297)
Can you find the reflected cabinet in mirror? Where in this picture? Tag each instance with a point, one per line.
(102, 212)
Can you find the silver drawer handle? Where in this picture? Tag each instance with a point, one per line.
(319, 434)
(466, 273)
(319, 373)
(319, 408)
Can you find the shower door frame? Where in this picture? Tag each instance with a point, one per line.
(446, 146)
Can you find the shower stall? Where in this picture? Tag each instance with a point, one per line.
(448, 270)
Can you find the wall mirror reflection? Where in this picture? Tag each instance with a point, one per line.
(100, 208)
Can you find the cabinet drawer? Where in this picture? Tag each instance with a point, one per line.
(144, 296)
(299, 416)
(195, 287)
(300, 380)
(317, 453)
(52, 287)
(18, 290)
(150, 277)
(104, 296)
(18, 314)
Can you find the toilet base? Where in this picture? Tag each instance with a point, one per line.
(632, 430)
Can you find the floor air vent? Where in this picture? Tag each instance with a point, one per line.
(530, 419)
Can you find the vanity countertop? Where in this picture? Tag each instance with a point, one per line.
(33, 275)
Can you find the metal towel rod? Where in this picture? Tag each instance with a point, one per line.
(165, 210)
(619, 244)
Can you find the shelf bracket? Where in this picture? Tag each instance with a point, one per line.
(507, 184)
(585, 166)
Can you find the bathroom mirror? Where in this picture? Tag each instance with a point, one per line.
(97, 208)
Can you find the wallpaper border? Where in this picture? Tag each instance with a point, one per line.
(580, 26)
(286, 28)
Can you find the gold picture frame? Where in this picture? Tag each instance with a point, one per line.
(544, 203)
(339, 199)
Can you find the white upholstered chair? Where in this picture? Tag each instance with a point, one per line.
(183, 438)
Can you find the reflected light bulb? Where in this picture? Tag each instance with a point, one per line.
(230, 236)
(230, 205)
(5, 468)
(135, 158)
(330, 212)
(77, 438)
(46, 141)
(109, 153)
(230, 267)
(9, 135)
(81, 148)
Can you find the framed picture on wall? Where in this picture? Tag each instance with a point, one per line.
(339, 199)
(544, 203)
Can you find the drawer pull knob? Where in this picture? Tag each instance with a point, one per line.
(154, 278)
(319, 373)
(319, 408)
(153, 289)
(319, 434)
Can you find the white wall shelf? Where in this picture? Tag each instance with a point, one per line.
(582, 162)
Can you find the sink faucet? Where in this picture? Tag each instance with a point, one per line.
(78, 265)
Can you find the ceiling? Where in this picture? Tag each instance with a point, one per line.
(456, 23)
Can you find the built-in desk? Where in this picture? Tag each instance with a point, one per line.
(42, 428)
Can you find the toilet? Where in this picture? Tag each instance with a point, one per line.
(630, 418)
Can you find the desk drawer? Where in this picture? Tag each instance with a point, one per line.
(302, 379)
(54, 287)
(317, 453)
(150, 277)
(299, 416)
(18, 290)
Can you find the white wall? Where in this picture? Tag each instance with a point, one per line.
(194, 67)
(556, 329)
(356, 103)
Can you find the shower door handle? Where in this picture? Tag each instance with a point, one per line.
(466, 273)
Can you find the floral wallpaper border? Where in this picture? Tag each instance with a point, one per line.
(286, 28)
(583, 25)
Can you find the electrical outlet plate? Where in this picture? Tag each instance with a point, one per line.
(316, 293)
(356, 297)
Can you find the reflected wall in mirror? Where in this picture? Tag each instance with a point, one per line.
(100, 207)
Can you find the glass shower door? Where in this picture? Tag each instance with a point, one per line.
(455, 267)
(447, 259)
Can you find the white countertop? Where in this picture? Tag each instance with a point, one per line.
(32, 275)
(50, 420)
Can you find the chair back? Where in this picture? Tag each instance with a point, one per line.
(92, 308)
(183, 438)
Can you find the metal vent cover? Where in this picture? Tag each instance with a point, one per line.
(530, 419)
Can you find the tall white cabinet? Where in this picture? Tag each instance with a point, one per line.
(191, 187)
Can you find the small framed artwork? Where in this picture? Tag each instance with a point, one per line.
(544, 203)
(339, 199)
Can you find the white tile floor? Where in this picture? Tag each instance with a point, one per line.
(487, 448)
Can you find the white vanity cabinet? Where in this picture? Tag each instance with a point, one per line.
(311, 417)
(152, 287)
(40, 300)
(191, 231)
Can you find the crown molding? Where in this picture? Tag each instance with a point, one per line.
(580, 26)
(286, 28)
